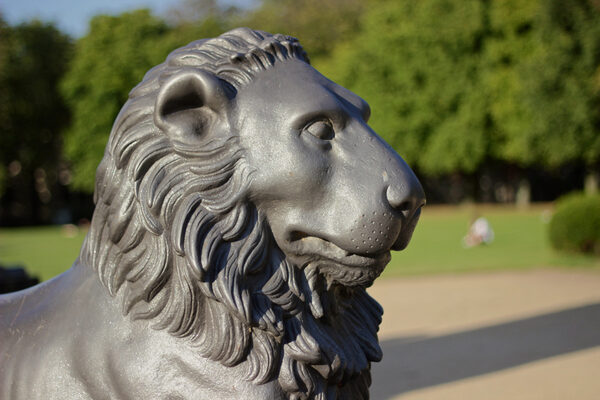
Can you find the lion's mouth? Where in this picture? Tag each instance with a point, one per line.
(407, 232)
(335, 263)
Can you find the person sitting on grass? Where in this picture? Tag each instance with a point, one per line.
(480, 232)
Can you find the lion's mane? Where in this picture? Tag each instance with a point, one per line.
(175, 232)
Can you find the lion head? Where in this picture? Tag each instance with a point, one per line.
(244, 203)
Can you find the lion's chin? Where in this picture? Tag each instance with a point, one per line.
(336, 265)
(339, 274)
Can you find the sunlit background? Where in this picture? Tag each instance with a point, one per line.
(494, 104)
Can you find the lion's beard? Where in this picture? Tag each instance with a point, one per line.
(330, 336)
(240, 301)
(317, 341)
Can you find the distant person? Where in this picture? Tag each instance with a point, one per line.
(480, 232)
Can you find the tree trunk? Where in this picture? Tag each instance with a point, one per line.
(591, 181)
(523, 197)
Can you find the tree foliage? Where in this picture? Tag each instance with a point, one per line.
(109, 61)
(33, 58)
(456, 84)
(115, 54)
(417, 63)
(541, 60)
(319, 24)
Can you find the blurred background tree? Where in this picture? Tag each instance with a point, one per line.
(320, 25)
(541, 65)
(489, 100)
(479, 87)
(417, 64)
(33, 58)
(109, 60)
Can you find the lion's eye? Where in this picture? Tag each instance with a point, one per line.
(321, 129)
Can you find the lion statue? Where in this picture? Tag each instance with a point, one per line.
(243, 206)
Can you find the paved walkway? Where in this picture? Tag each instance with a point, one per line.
(503, 335)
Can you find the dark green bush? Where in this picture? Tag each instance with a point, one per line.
(575, 225)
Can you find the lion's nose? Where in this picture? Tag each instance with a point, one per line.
(406, 196)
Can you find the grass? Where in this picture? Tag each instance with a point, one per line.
(43, 251)
(520, 242)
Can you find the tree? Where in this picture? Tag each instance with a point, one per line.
(4, 96)
(543, 59)
(417, 63)
(319, 24)
(194, 12)
(456, 86)
(109, 61)
(33, 58)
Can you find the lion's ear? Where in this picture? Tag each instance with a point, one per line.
(189, 104)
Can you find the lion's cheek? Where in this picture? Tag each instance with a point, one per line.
(290, 177)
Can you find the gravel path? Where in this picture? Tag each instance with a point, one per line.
(505, 335)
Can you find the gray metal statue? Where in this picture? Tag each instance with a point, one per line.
(243, 205)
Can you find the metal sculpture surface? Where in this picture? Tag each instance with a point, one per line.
(243, 205)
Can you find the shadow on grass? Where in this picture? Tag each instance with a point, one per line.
(420, 362)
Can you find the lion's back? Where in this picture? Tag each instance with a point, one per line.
(33, 348)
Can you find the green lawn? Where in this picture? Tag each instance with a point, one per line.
(520, 242)
(43, 251)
